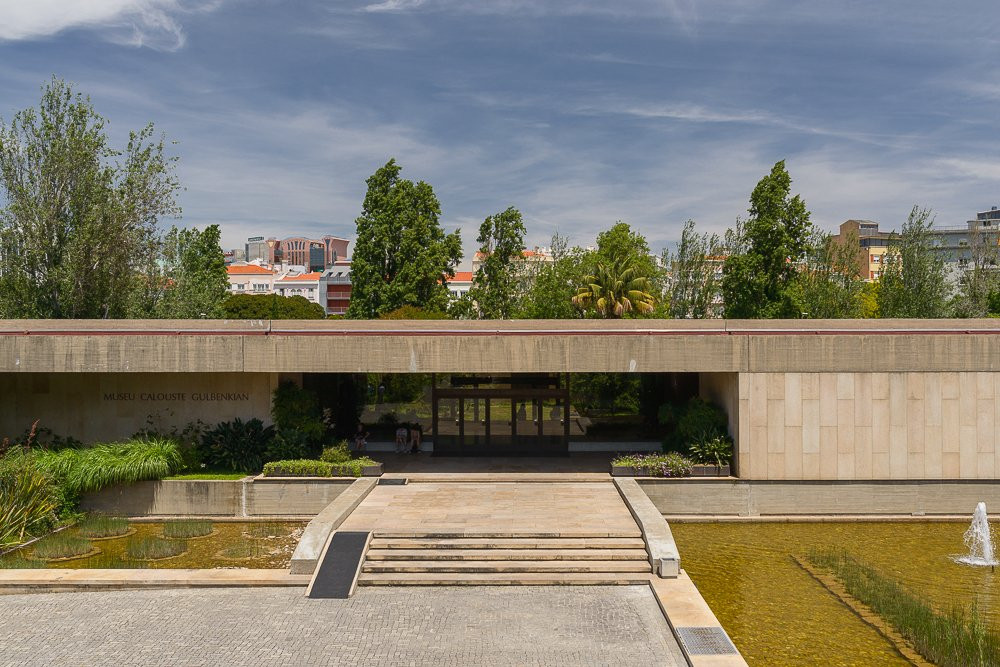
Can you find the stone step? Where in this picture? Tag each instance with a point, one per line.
(380, 554)
(497, 566)
(508, 543)
(579, 534)
(502, 578)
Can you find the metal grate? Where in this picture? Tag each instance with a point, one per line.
(391, 480)
(710, 640)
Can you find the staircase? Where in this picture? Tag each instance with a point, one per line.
(491, 559)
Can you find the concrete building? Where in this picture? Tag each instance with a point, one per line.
(304, 284)
(872, 245)
(460, 285)
(335, 288)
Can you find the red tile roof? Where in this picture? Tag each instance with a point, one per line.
(248, 270)
(462, 277)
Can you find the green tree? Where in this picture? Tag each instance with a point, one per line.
(912, 282)
(270, 307)
(829, 286)
(693, 281)
(402, 256)
(413, 313)
(765, 250)
(981, 277)
(620, 241)
(195, 283)
(616, 289)
(551, 286)
(78, 225)
(497, 284)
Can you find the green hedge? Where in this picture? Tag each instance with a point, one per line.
(313, 468)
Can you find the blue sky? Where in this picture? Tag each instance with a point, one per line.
(578, 112)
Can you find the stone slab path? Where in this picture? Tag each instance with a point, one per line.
(566, 509)
(616, 625)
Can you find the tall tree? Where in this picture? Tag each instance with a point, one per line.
(497, 284)
(622, 241)
(693, 281)
(981, 277)
(765, 250)
(78, 224)
(552, 285)
(829, 285)
(402, 256)
(912, 282)
(195, 283)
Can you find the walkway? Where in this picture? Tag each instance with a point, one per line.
(595, 465)
(618, 625)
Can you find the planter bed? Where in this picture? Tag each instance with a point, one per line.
(696, 471)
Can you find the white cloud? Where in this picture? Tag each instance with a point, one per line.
(149, 23)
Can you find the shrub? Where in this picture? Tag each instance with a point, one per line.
(716, 451)
(289, 444)
(29, 501)
(62, 545)
(695, 421)
(153, 548)
(657, 465)
(100, 525)
(237, 445)
(312, 468)
(187, 528)
(299, 422)
(339, 453)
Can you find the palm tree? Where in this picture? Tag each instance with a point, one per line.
(616, 288)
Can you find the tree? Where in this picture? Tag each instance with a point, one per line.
(413, 313)
(912, 282)
(829, 285)
(765, 250)
(981, 277)
(621, 241)
(496, 285)
(271, 307)
(616, 289)
(693, 281)
(78, 226)
(195, 283)
(552, 285)
(402, 256)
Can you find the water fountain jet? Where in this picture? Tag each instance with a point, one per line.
(979, 539)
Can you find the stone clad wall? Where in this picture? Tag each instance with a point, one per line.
(858, 426)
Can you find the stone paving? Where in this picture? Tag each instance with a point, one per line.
(617, 625)
(560, 509)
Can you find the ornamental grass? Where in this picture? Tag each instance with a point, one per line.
(29, 501)
(244, 548)
(62, 545)
(82, 469)
(153, 548)
(187, 528)
(102, 525)
(266, 530)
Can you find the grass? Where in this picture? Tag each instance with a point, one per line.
(266, 530)
(957, 638)
(187, 528)
(92, 468)
(101, 525)
(152, 548)
(209, 475)
(20, 563)
(245, 548)
(62, 545)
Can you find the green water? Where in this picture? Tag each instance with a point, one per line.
(271, 544)
(778, 615)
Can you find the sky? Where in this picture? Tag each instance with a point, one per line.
(578, 112)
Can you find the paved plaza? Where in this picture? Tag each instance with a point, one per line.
(566, 509)
(615, 625)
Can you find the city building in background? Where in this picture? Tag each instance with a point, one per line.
(250, 279)
(872, 245)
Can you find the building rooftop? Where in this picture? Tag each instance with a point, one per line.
(303, 277)
(248, 270)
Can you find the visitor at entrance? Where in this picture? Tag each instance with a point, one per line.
(416, 435)
(360, 438)
(401, 440)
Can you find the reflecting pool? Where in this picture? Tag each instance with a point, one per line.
(778, 615)
(229, 545)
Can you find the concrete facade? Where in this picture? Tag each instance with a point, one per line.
(807, 400)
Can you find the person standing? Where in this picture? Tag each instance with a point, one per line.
(401, 439)
(360, 438)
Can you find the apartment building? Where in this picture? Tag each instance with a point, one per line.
(250, 279)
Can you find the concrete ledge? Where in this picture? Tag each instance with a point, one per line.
(196, 497)
(318, 531)
(663, 555)
(684, 607)
(753, 498)
(279, 496)
(67, 580)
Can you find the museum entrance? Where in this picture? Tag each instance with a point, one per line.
(512, 415)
